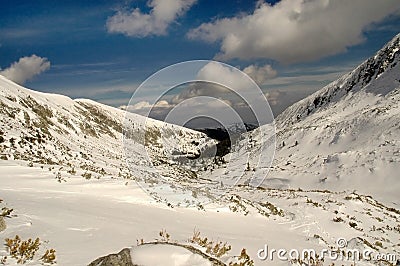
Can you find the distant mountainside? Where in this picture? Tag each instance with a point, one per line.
(86, 137)
(56, 130)
(347, 135)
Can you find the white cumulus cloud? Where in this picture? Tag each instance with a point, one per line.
(295, 30)
(227, 76)
(156, 22)
(215, 72)
(26, 68)
(260, 74)
(147, 105)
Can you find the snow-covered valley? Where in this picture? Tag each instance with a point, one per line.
(85, 219)
(335, 176)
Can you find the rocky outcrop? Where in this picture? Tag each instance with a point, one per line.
(123, 258)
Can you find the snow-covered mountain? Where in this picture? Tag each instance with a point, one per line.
(64, 177)
(85, 137)
(346, 135)
(378, 75)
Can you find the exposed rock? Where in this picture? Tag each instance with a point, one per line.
(2, 224)
(123, 258)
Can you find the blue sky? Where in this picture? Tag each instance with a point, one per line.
(103, 51)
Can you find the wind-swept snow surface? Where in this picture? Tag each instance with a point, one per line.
(85, 219)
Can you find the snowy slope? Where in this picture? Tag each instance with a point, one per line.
(348, 133)
(85, 219)
(83, 136)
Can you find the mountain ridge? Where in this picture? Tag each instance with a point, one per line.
(345, 135)
(82, 136)
(386, 59)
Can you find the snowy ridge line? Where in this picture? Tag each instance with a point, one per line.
(368, 71)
